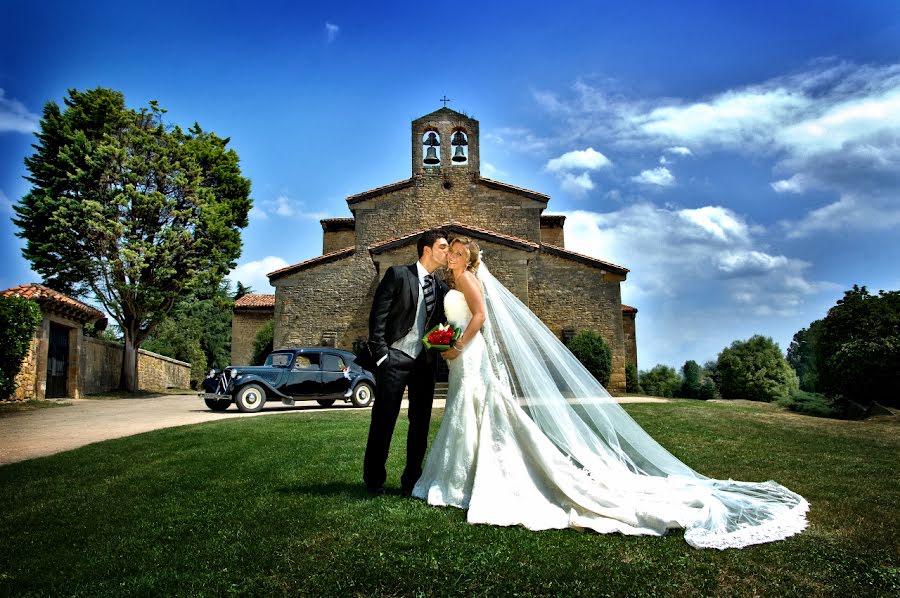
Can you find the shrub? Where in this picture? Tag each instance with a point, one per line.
(593, 352)
(18, 319)
(263, 343)
(755, 370)
(631, 378)
(661, 381)
(810, 403)
(708, 390)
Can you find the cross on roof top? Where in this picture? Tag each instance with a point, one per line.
(444, 99)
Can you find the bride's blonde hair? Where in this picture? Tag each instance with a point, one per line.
(473, 257)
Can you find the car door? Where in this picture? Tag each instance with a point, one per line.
(335, 375)
(305, 379)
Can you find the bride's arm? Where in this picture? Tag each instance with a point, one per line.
(471, 290)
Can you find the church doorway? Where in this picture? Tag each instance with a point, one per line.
(58, 362)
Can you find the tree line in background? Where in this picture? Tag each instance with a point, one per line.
(844, 365)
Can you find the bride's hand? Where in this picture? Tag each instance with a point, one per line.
(450, 354)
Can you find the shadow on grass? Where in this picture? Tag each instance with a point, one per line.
(333, 489)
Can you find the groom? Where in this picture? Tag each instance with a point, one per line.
(408, 302)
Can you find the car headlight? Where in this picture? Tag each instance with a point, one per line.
(234, 373)
(211, 373)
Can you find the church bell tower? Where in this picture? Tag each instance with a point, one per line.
(445, 143)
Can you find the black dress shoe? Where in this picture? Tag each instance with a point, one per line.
(376, 491)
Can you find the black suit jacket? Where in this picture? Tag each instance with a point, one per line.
(394, 308)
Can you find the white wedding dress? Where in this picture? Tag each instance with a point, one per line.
(511, 457)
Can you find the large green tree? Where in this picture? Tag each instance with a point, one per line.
(129, 209)
(858, 349)
(755, 370)
(802, 355)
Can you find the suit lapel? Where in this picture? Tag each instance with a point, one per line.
(412, 275)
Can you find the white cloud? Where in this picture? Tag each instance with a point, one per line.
(517, 139)
(488, 170)
(679, 151)
(833, 128)
(578, 185)
(588, 159)
(254, 273)
(708, 257)
(284, 207)
(660, 177)
(6, 204)
(331, 30)
(15, 117)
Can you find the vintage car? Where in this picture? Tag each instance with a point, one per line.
(321, 373)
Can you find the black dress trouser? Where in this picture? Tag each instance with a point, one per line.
(399, 371)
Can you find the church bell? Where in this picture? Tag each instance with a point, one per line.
(431, 156)
(432, 139)
(459, 139)
(459, 155)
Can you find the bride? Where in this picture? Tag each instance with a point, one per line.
(530, 438)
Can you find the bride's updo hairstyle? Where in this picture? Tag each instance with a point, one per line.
(472, 252)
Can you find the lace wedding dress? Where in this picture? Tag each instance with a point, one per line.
(529, 438)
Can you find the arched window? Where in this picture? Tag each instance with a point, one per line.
(431, 141)
(459, 142)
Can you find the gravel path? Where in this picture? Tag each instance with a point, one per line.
(41, 432)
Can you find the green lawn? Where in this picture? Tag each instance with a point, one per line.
(274, 506)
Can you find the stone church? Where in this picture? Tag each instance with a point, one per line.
(326, 300)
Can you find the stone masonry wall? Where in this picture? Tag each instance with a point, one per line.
(101, 367)
(628, 326)
(245, 323)
(553, 236)
(566, 294)
(329, 298)
(429, 203)
(334, 240)
(26, 379)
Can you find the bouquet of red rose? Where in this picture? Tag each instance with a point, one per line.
(441, 337)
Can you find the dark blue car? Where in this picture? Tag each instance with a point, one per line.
(320, 373)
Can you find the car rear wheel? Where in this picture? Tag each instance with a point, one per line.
(325, 402)
(217, 404)
(250, 398)
(363, 395)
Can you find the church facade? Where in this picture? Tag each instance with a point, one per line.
(326, 300)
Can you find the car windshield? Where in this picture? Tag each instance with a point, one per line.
(279, 360)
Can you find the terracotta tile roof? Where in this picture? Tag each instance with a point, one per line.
(322, 259)
(584, 259)
(251, 301)
(379, 191)
(520, 190)
(628, 309)
(63, 303)
(338, 224)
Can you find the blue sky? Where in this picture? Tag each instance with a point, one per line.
(742, 159)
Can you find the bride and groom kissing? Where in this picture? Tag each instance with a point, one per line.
(528, 437)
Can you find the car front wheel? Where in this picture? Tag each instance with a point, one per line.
(250, 398)
(217, 404)
(362, 395)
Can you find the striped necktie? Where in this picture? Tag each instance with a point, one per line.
(429, 294)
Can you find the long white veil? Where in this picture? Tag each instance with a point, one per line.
(587, 425)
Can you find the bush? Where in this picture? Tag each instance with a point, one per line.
(708, 390)
(593, 352)
(661, 381)
(818, 405)
(263, 343)
(631, 378)
(755, 370)
(18, 319)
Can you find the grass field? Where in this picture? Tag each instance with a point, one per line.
(274, 506)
